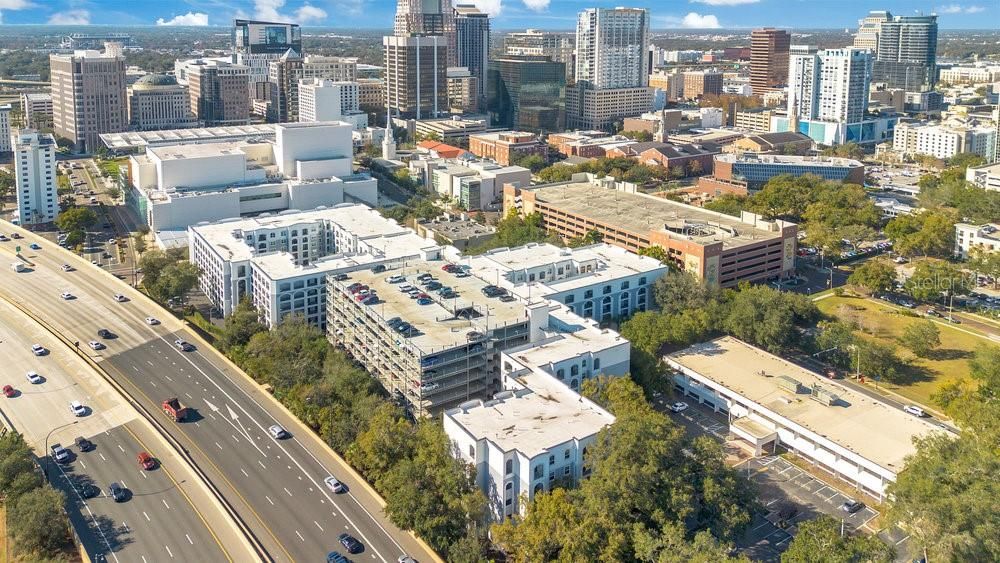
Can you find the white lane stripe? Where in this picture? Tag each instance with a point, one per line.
(244, 471)
(170, 553)
(318, 526)
(269, 500)
(189, 539)
(300, 535)
(146, 515)
(165, 503)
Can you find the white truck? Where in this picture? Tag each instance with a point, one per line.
(17, 266)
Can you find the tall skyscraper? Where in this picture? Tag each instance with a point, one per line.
(768, 59)
(218, 92)
(472, 39)
(612, 67)
(425, 18)
(416, 59)
(285, 73)
(527, 93)
(905, 49)
(35, 171)
(829, 86)
(557, 46)
(88, 96)
(257, 43)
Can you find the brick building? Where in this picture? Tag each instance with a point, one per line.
(506, 146)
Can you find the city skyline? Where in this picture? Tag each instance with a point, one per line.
(509, 14)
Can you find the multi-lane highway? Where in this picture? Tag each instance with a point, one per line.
(167, 515)
(276, 486)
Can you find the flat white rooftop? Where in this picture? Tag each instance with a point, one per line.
(532, 420)
(869, 428)
(587, 336)
(138, 139)
(281, 265)
(197, 150)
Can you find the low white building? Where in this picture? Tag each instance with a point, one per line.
(599, 281)
(945, 140)
(711, 117)
(307, 165)
(281, 261)
(36, 107)
(329, 100)
(986, 177)
(773, 403)
(986, 237)
(35, 170)
(535, 434)
(475, 184)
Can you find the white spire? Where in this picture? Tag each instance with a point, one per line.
(388, 143)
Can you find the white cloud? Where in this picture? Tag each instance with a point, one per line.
(536, 5)
(491, 7)
(724, 2)
(70, 17)
(14, 5)
(190, 18)
(697, 21)
(959, 9)
(269, 10)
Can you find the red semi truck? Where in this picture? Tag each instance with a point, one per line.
(174, 408)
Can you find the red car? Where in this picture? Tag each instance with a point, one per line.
(8, 391)
(146, 461)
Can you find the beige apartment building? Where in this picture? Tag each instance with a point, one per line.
(88, 97)
(218, 92)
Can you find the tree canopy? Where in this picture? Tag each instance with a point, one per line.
(819, 541)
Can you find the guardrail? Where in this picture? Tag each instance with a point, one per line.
(244, 529)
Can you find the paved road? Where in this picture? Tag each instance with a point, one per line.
(159, 521)
(276, 485)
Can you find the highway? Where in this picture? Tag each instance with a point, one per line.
(159, 520)
(275, 485)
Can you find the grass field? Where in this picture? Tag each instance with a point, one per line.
(884, 323)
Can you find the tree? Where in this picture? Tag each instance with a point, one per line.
(841, 205)
(533, 162)
(933, 279)
(820, 541)
(730, 204)
(985, 262)
(240, 326)
(837, 341)
(38, 524)
(874, 275)
(555, 173)
(847, 150)
(114, 192)
(174, 281)
(291, 354)
(153, 263)
(675, 292)
(76, 219)
(931, 233)
(921, 337)
(655, 252)
(15, 460)
(785, 196)
(767, 317)
(641, 136)
(695, 167)
(139, 243)
(74, 238)
(646, 331)
(388, 439)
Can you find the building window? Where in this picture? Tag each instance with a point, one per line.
(539, 471)
(570, 298)
(566, 471)
(566, 454)
(508, 486)
(507, 502)
(625, 285)
(561, 373)
(472, 451)
(574, 370)
(552, 459)
(597, 364)
(589, 294)
(607, 289)
(510, 466)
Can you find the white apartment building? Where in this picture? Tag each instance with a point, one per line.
(985, 237)
(970, 74)
(599, 281)
(945, 140)
(612, 47)
(829, 85)
(37, 109)
(35, 171)
(774, 404)
(306, 166)
(328, 100)
(986, 177)
(281, 261)
(473, 184)
(5, 140)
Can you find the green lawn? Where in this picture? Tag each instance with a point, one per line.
(885, 323)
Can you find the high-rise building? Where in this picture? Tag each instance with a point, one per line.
(905, 49)
(256, 43)
(612, 68)
(416, 76)
(425, 18)
(463, 90)
(557, 46)
(36, 109)
(527, 93)
(472, 32)
(35, 171)
(701, 82)
(88, 96)
(768, 59)
(285, 73)
(328, 100)
(218, 92)
(5, 128)
(157, 101)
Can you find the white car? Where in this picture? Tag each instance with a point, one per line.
(152, 321)
(277, 432)
(120, 298)
(67, 268)
(77, 408)
(66, 295)
(333, 484)
(915, 411)
(38, 350)
(95, 345)
(678, 407)
(33, 378)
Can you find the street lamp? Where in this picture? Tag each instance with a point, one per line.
(47, 453)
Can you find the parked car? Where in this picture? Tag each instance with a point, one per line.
(914, 410)
(852, 506)
(679, 406)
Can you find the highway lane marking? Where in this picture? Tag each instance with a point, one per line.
(150, 363)
(318, 526)
(189, 396)
(903, 540)
(123, 484)
(143, 475)
(261, 464)
(244, 472)
(165, 503)
(189, 539)
(217, 444)
(269, 499)
(83, 465)
(153, 383)
(144, 559)
(146, 515)
(90, 512)
(287, 491)
(121, 448)
(102, 456)
(170, 553)
(300, 535)
(237, 440)
(168, 377)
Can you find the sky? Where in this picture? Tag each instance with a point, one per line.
(508, 14)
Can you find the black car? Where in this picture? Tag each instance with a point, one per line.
(340, 277)
(378, 268)
(88, 490)
(117, 492)
(105, 333)
(350, 544)
(84, 444)
(852, 506)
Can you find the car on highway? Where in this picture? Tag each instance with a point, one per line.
(8, 391)
(336, 557)
(120, 298)
(679, 406)
(15, 236)
(67, 268)
(914, 410)
(59, 453)
(77, 408)
(105, 333)
(146, 461)
(3, 238)
(183, 345)
(117, 492)
(333, 484)
(38, 350)
(277, 432)
(852, 506)
(83, 444)
(152, 321)
(88, 490)
(405, 559)
(34, 378)
(95, 345)
(350, 544)
(34, 246)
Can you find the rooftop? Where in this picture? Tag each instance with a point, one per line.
(138, 139)
(582, 335)
(641, 214)
(788, 160)
(281, 265)
(196, 150)
(849, 422)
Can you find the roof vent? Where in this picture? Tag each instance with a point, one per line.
(824, 396)
(788, 383)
